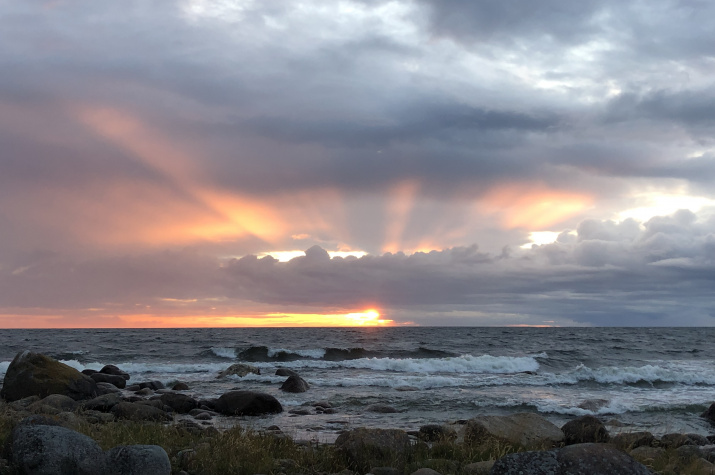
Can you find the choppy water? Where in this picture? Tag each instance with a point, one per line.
(657, 379)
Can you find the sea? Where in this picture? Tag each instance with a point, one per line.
(655, 379)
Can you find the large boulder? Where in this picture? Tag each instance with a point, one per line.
(295, 384)
(180, 403)
(112, 379)
(139, 412)
(55, 450)
(139, 460)
(525, 430)
(32, 373)
(366, 448)
(247, 403)
(578, 459)
(583, 430)
(239, 369)
(111, 369)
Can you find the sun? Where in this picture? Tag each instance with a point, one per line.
(366, 318)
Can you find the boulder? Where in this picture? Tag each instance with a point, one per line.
(180, 403)
(366, 448)
(43, 449)
(709, 413)
(295, 384)
(478, 468)
(103, 403)
(57, 401)
(139, 460)
(112, 379)
(139, 412)
(106, 388)
(247, 403)
(647, 455)
(111, 369)
(153, 385)
(381, 408)
(673, 441)
(583, 430)
(525, 430)
(628, 441)
(36, 374)
(578, 459)
(239, 369)
(179, 386)
(285, 372)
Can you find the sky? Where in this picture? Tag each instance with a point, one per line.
(363, 162)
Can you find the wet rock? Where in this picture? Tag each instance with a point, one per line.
(593, 405)
(709, 413)
(295, 384)
(628, 441)
(179, 386)
(526, 430)
(381, 408)
(153, 385)
(285, 372)
(180, 403)
(300, 412)
(106, 388)
(139, 460)
(239, 369)
(103, 403)
(39, 375)
(583, 430)
(247, 403)
(365, 448)
(112, 379)
(113, 370)
(139, 412)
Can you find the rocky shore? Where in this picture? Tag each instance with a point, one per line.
(55, 419)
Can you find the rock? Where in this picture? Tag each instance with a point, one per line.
(112, 379)
(322, 404)
(708, 453)
(628, 441)
(180, 403)
(179, 386)
(525, 430)
(578, 459)
(285, 372)
(247, 403)
(384, 471)
(584, 429)
(295, 384)
(646, 455)
(239, 369)
(153, 385)
(57, 401)
(478, 468)
(144, 392)
(89, 372)
(436, 432)
(139, 460)
(365, 448)
(381, 408)
(425, 471)
(709, 413)
(42, 449)
(300, 412)
(593, 405)
(113, 370)
(139, 412)
(106, 388)
(36, 374)
(103, 403)
(97, 417)
(698, 439)
(673, 441)
(203, 416)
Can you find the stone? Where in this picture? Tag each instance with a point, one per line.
(112, 379)
(709, 413)
(247, 403)
(425, 471)
(180, 403)
(106, 388)
(285, 372)
(139, 412)
(179, 386)
(478, 468)
(113, 370)
(673, 441)
(531, 463)
(365, 448)
(139, 460)
(239, 369)
(36, 374)
(436, 432)
(524, 430)
(103, 403)
(54, 450)
(153, 385)
(381, 408)
(628, 441)
(646, 455)
(57, 401)
(584, 429)
(295, 384)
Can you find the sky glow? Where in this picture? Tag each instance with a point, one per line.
(456, 162)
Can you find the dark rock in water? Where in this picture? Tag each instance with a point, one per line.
(247, 403)
(111, 369)
(436, 432)
(179, 386)
(295, 384)
(36, 374)
(709, 413)
(583, 430)
(139, 412)
(300, 412)
(239, 369)
(366, 448)
(630, 440)
(153, 385)
(527, 430)
(103, 403)
(593, 405)
(381, 408)
(180, 403)
(113, 379)
(209, 404)
(42, 449)
(285, 372)
(579, 459)
(139, 460)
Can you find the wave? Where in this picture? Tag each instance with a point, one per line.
(257, 354)
(648, 374)
(229, 353)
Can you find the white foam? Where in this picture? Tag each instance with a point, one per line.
(3, 367)
(224, 352)
(632, 374)
(315, 353)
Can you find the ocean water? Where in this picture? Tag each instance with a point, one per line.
(657, 379)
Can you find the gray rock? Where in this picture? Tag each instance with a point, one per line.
(531, 463)
(113, 379)
(103, 403)
(365, 448)
(153, 385)
(630, 440)
(58, 402)
(583, 430)
(646, 455)
(239, 369)
(139, 412)
(285, 372)
(36, 374)
(247, 403)
(53, 450)
(709, 413)
(381, 408)
(673, 441)
(179, 386)
(139, 460)
(295, 384)
(180, 403)
(111, 369)
(106, 388)
(526, 430)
